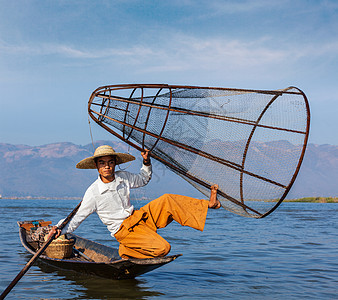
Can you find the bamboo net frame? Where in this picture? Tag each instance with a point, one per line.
(250, 142)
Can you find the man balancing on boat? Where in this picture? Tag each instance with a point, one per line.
(135, 230)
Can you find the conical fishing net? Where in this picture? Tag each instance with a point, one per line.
(250, 142)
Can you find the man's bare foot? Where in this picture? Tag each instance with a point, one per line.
(213, 202)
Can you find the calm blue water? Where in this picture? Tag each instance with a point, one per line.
(290, 254)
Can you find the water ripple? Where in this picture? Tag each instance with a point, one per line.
(291, 254)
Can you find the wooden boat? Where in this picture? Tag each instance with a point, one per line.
(93, 258)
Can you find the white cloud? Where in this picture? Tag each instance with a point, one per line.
(182, 52)
(231, 7)
(228, 7)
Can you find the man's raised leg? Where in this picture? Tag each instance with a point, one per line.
(159, 213)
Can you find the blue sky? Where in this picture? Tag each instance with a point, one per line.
(53, 54)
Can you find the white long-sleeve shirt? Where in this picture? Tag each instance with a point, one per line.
(110, 201)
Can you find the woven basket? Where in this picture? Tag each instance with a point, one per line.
(60, 248)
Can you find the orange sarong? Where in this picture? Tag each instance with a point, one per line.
(137, 235)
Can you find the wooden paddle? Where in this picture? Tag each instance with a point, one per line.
(38, 253)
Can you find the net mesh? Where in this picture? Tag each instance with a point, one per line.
(251, 143)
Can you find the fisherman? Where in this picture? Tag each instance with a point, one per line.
(135, 230)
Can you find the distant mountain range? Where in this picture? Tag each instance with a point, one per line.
(49, 171)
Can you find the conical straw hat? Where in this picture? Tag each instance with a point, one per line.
(89, 162)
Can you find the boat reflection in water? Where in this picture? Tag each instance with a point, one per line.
(93, 287)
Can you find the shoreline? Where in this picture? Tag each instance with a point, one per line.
(39, 198)
(314, 200)
(305, 199)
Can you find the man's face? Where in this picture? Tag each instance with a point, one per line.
(106, 167)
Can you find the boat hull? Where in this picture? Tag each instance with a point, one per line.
(97, 259)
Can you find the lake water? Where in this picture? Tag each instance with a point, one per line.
(291, 254)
